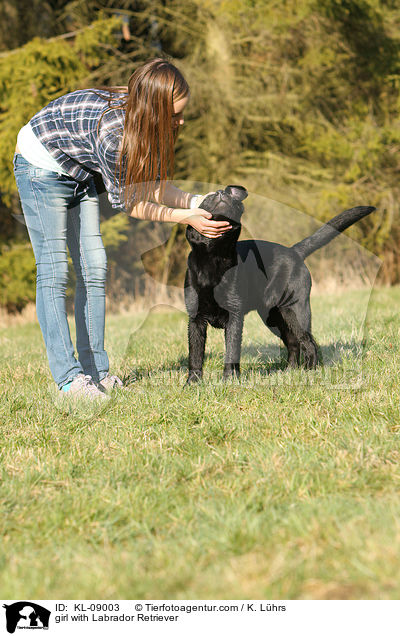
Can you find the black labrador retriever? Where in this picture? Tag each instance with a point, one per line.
(226, 279)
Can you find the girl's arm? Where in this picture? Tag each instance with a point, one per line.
(172, 196)
(199, 219)
(175, 210)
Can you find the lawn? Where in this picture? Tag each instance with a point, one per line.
(282, 486)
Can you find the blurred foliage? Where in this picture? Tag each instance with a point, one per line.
(22, 20)
(296, 99)
(17, 277)
(55, 67)
(113, 232)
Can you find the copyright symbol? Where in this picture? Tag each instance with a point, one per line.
(138, 607)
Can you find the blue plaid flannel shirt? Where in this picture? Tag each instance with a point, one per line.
(67, 128)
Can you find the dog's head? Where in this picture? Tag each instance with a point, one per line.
(224, 205)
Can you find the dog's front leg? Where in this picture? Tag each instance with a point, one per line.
(197, 343)
(233, 343)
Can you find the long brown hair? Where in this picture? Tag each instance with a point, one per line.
(147, 150)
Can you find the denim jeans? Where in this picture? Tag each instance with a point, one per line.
(61, 212)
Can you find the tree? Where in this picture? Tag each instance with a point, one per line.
(56, 66)
(298, 100)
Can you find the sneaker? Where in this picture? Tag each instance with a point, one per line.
(82, 386)
(110, 382)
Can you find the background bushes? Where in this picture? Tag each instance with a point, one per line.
(297, 100)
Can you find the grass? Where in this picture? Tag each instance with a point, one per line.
(282, 486)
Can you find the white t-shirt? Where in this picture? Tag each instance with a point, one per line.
(33, 151)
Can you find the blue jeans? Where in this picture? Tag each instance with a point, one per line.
(61, 212)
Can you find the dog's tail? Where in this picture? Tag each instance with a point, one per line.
(330, 230)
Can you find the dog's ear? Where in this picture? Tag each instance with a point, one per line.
(236, 191)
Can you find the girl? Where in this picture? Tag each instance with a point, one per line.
(127, 135)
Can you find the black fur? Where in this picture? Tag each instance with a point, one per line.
(226, 279)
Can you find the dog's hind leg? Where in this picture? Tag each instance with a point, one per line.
(233, 344)
(293, 346)
(302, 348)
(276, 323)
(197, 332)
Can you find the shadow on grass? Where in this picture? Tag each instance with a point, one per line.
(265, 356)
(263, 360)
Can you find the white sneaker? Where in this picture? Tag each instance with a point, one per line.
(82, 386)
(110, 382)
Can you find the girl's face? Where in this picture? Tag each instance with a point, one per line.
(179, 106)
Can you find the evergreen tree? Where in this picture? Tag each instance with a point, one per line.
(298, 100)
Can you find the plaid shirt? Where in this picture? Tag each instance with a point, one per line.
(67, 128)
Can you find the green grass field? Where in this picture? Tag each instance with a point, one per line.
(285, 485)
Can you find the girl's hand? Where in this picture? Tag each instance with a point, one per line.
(200, 220)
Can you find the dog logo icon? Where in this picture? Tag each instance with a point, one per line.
(26, 615)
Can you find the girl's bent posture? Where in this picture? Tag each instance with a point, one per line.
(127, 135)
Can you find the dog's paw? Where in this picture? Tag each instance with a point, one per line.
(309, 356)
(231, 372)
(194, 377)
